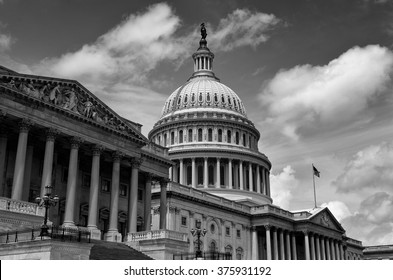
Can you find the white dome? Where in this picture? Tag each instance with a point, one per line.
(203, 92)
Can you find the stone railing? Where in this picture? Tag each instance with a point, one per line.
(157, 234)
(156, 149)
(265, 209)
(23, 207)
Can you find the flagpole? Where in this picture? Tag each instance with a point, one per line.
(313, 180)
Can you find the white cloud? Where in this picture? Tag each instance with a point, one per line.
(369, 169)
(307, 98)
(5, 42)
(282, 186)
(338, 208)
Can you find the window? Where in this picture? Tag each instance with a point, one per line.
(237, 138)
(213, 246)
(64, 177)
(190, 135)
(211, 175)
(140, 195)
(159, 140)
(228, 249)
(105, 185)
(200, 135)
(165, 140)
(229, 136)
(184, 221)
(200, 175)
(86, 180)
(249, 141)
(172, 138)
(189, 175)
(181, 136)
(238, 233)
(123, 189)
(228, 231)
(212, 228)
(244, 140)
(219, 135)
(239, 253)
(222, 175)
(210, 134)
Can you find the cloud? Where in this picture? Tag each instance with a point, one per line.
(282, 185)
(5, 42)
(368, 170)
(373, 222)
(242, 28)
(306, 99)
(339, 209)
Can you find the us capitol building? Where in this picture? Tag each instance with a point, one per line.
(199, 169)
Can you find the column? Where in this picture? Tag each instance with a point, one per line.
(48, 160)
(113, 232)
(181, 180)
(288, 245)
(306, 244)
(71, 183)
(254, 242)
(250, 179)
(133, 195)
(275, 244)
(94, 189)
(317, 243)
(341, 251)
(218, 179)
(294, 252)
(282, 249)
(147, 209)
(337, 250)
(27, 175)
(241, 175)
(3, 152)
(191, 226)
(170, 173)
(268, 182)
(312, 246)
(236, 176)
(163, 202)
(205, 173)
(332, 252)
(258, 180)
(323, 252)
(230, 174)
(327, 246)
(175, 174)
(20, 160)
(264, 182)
(268, 243)
(193, 177)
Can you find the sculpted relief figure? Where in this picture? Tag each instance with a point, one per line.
(12, 84)
(88, 109)
(53, 93)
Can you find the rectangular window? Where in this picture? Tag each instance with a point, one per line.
(184, 221)
(105, 185)
(238, 233)
(86, 180)
(228, 231)
(123, 189)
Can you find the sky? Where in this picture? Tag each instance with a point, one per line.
(315, 77)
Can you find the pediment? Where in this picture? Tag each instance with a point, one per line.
(325, 218)
(71, 98)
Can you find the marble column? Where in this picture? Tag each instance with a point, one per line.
(306, 244)
(94, 190)
(20, 160)
(268, 182)
(163, 202)
(48, 160)
(250, 179)
(241, 175)
(133, 195)
(294, 250)
(71, 183)
(205, 173)
(27, 175)
(191, 226)
(254, 242)
(282, 249)
(113, 232)
(175, 174)
(193, 173)
(312, 246)
(317, 244)
(275, 244)
(230, 184)
(341, 251)
(323, 252)
(264, 191)
(181, 180)
(327, 247)
(258, 180)
(147, 206)
(218, 179)
(170, 173)
(268, 242)
(288, 245)
(3, 152)
(332, 251)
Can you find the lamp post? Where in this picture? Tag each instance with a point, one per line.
(47, 201)
(198, 232)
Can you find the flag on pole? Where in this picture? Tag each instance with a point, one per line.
(316, 172)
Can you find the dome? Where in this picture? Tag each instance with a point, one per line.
(203, 92)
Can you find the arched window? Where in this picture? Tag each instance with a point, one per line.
(165, 140)
(189, 175)
(211, 175)
(237, 138)
(229, 136)
(200, 175)
(228, 249)
(200, 135)
(222, 175)
(239, 253)
(249, 141)
(159, 140)
(244, 140)
(208, 97)
(200, 97)
(190, 135)
(172, 138)
(219, 135)
(213, 246)
(181, 136)
(210, 134)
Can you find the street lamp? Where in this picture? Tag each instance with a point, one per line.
(47, 201)
(198, 232)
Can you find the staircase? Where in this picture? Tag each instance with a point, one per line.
(104, 250)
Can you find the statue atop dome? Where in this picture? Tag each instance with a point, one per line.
(203, 31)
